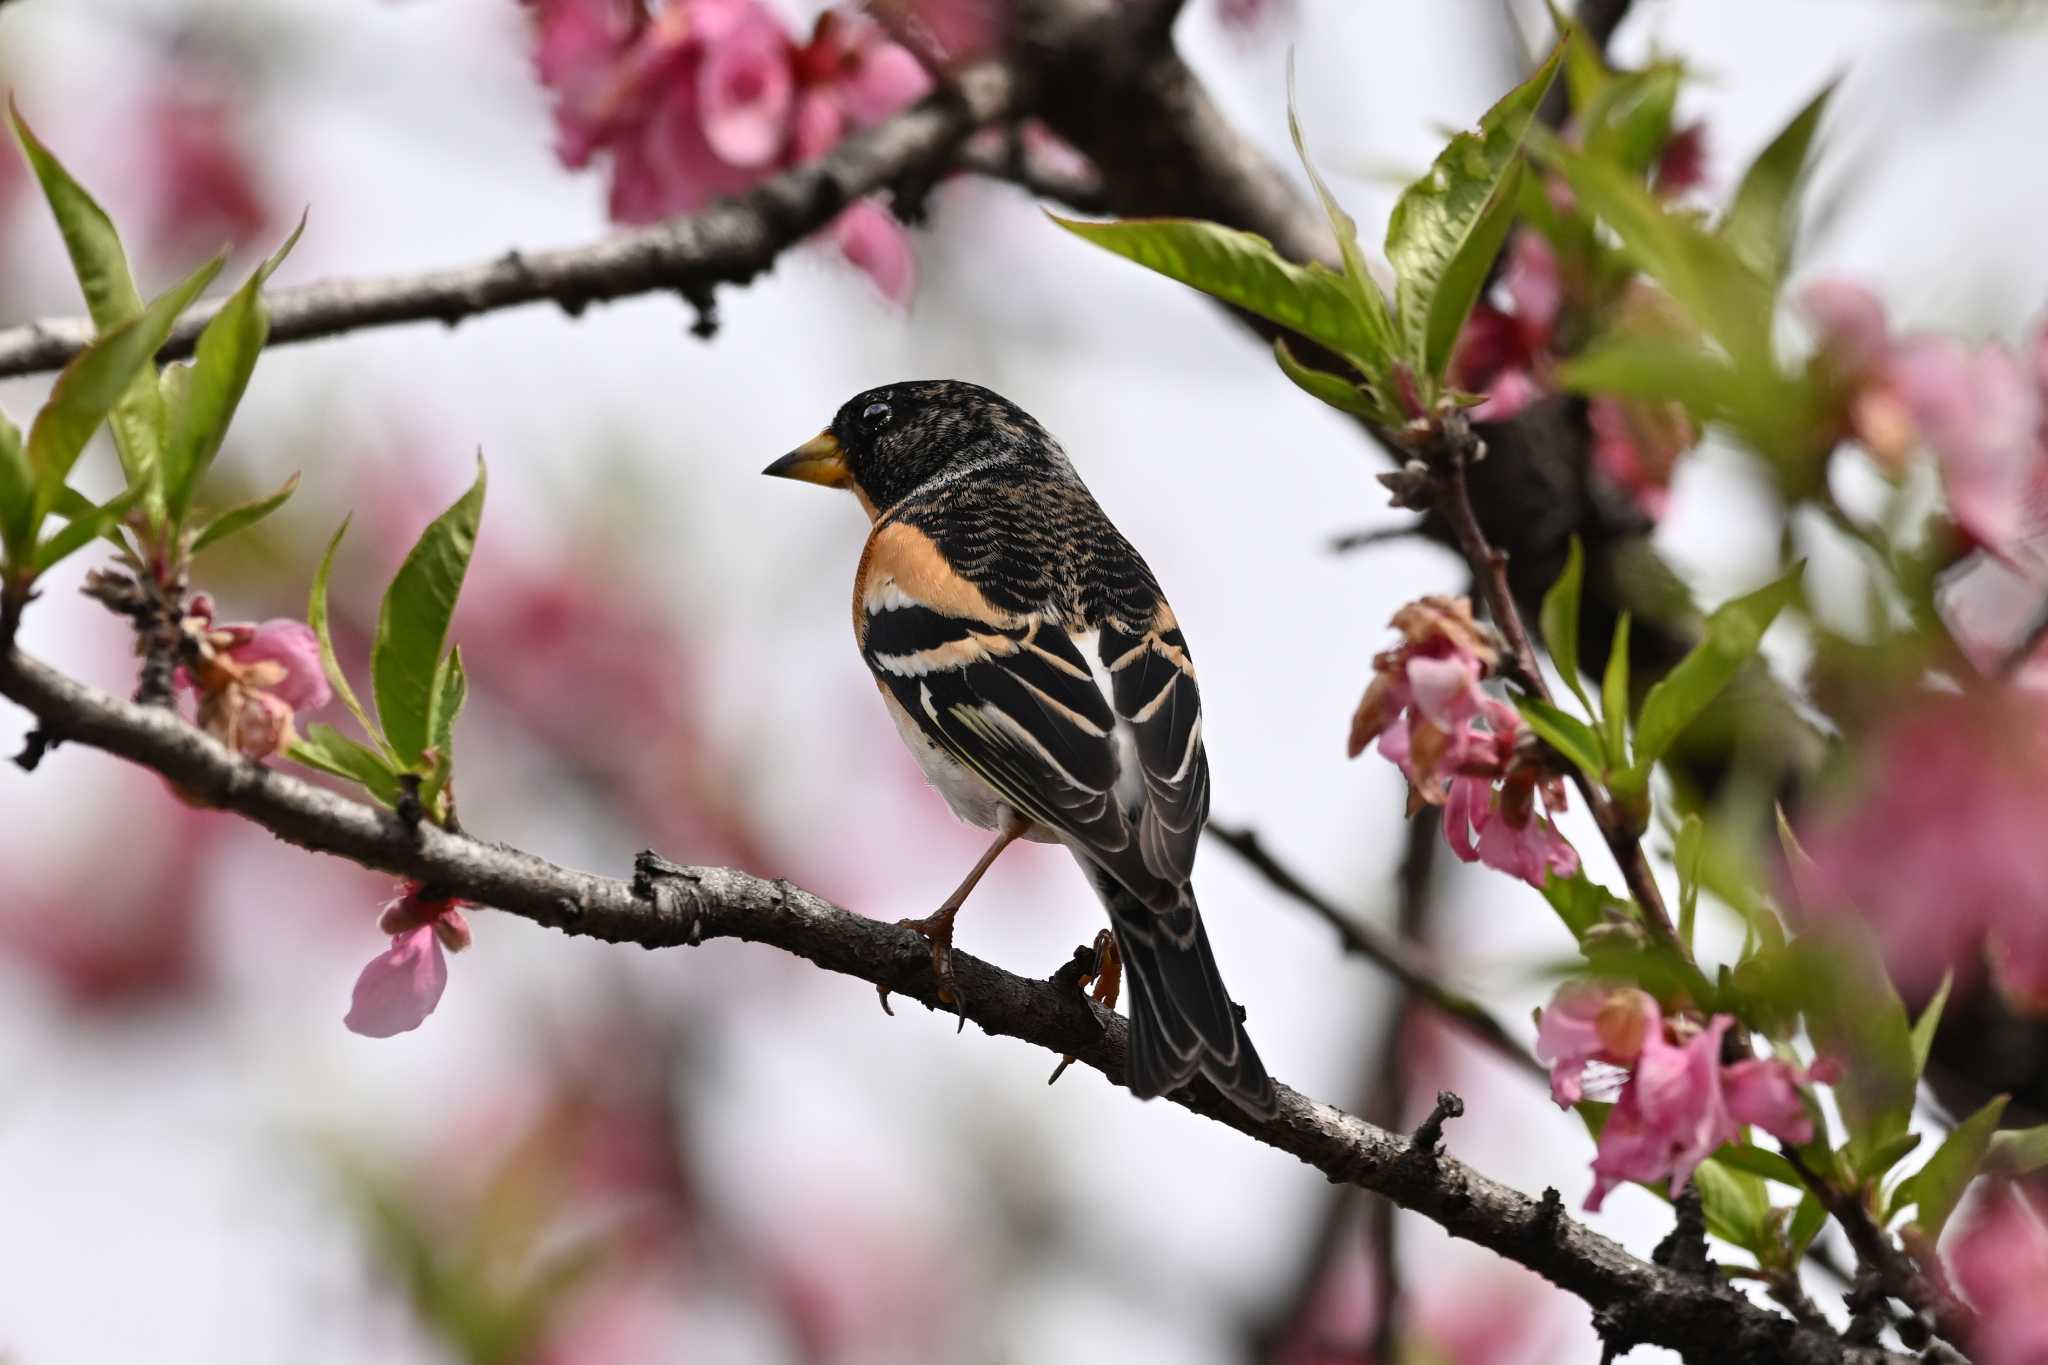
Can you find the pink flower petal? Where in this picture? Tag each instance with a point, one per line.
(1850, 322)
(292, 646)
(1533, 283)
(819, 123)
(745, 90)
(1511, 391)
(400, 986)
(1982, 415)
(877, 244)
(1766, 1093)
(887, 78)
(1446, 690)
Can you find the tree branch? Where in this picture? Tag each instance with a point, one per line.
(667, 905)
(730, 242)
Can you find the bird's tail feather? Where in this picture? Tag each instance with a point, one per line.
(1182, 1018)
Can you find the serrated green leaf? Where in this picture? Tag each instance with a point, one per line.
(1737, 1203)
(1365, 290)
(222, 362)
(1928, 1022)
(1936, 1188)
(1733, 633)
(412, 625)
(101, 266)
(1761, 223)
(17, 491)
(330, 751)
(316, 617)
(1560, 621)
(1729, 301)
(243, 515)
(2018, 1151)
(1333, 389)
(1854, 1016)
(1242, 270)
(1614, 698)
(92, 383)
(87, 524)
(1448, 226)
(1565, 733)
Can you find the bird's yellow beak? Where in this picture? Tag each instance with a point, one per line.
(819, 460)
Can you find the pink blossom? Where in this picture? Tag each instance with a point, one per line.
(745, 92)
(876, 244)
(205, 184)
(1938, 845)
(2000, 1262)
(1985, 416)
(1679, 1104)
(250, 680)
(1586, 1022)
(400, 986)
(1636, 446)
(1503, 353)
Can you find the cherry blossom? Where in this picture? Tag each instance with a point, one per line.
(251, 680)
(400, 986)
(2000, 1262)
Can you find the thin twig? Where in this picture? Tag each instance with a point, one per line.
(728, 243)
(1398, 958)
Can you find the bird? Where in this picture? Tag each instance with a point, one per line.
(1036, 672)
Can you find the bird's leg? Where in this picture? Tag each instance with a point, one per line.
(937, 927)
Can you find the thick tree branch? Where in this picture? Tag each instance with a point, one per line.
(665, 905)
(730, 242)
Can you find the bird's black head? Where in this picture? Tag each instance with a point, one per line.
(889, 442)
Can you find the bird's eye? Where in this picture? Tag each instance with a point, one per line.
(875, 416)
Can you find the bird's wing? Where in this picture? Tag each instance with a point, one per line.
(1152, 687)
(1009, 695)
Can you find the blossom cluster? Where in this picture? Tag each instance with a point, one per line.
(249, 680)
(1679, 1101)
(1460, 748)
(702, 98)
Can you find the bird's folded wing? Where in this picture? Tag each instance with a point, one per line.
(1152, 685)
(1015, 703)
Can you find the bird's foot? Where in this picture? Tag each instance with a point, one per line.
(937, 930)
(1099, 970)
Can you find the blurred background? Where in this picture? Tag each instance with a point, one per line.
(722, 1154)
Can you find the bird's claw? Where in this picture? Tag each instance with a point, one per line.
(937, 930)
(1099, 970)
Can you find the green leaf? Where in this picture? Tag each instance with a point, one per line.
(242, 516)
(1628, 121)
(1448, 226)
(1807, 1221)
(222, 363)
(1372, 304)
(87, 524)
(330, 751)
(1889, 1154)
(2018, 1151)
(1614, 698)
(1733, 633)
(451, 690)
(1339, 392)
(1560, 621)
(1854, 1016)
(1728, 299)
(1737, 1203)
(1580, 901)
(110, 295)
(1936, 1188)
(1747, 1156)
(1243, 270)
(1761, 223)
(1692, 838)
(1565, 733)
(17, 491)
(412, 625)
(1655, 369)
(316, 617)
(1928, 1022)
(92, 383)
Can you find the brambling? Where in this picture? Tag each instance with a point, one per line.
(1037, 674)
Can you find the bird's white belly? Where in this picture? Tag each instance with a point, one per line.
(970, 798)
